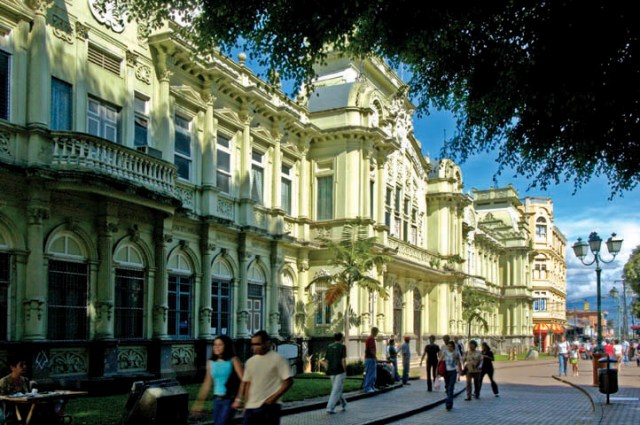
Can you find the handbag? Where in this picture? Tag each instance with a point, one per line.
(441, 368)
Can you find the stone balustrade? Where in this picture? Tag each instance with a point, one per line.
(75, 151)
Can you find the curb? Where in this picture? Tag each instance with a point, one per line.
(598, 412)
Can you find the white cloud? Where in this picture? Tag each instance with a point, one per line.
(620, 218)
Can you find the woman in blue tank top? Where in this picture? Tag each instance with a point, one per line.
(224, 373)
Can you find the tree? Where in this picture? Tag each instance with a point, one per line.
(631, 274)
(475, 304)
(550, 85)
(353, 261)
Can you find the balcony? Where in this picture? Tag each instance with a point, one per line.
(420, 255)
(82, 152)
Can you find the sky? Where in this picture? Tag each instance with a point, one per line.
(576, 215)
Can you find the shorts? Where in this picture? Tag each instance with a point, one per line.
(573, 360)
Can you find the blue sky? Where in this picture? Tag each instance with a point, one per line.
(575, 215)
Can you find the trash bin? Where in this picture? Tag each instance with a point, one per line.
(607, 377)
(157, 402)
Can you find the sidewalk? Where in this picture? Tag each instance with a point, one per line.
(623, 407)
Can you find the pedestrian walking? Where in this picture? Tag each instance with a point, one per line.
(405, 350)
(453, 365)
(487, 368)
(370, 362)
(618, 352)
(562, 351)
(336, 357)
(573, 359)
(267, 376)
(472, 361)
(392, 357)
(431, 351)
(224, 373)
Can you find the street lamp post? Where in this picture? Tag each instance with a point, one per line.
(581, 249)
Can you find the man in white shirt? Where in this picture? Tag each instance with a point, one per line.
(267, 376)
(562, 349)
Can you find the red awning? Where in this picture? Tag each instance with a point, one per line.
(541, 327)
(635, 327)
(558, 329)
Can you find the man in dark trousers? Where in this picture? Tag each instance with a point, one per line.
(337, 370)
(431, 351)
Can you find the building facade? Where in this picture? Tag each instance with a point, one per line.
(152, 198)
(549, 278)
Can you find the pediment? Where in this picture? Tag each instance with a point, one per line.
(12, 12)
(188, 94)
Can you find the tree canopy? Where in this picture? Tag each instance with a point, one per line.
(552, 86)
(475, 305)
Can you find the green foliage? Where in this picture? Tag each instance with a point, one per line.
(475, 304)
(632, 270)
(355, 368)
(354, 260)
(534, 81)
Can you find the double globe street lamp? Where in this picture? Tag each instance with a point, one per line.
(581, 250)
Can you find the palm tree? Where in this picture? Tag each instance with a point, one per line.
(474, 305)
(352, 263)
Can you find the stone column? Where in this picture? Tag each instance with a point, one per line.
(39, 90)
(163, 128)
(105, 289)
(303, 282)
(36, 283)
(210, 142)
(206, 247)
(272, 291)
(243, 314)
(276, 186)
(304, 186)
(80, 86)
(160, 297)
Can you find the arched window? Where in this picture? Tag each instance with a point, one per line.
(397, 310)
(286, 305)
(255, 298)
(221, 293)
(180, 296)
(541, 229)
(129, 292)
(68, 279)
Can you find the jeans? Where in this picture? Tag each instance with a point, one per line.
(394, 362)
(431, 374)
(405, 371)
(267, 414)
(222, 411)
(370, 374)
(562, 364)
(450, 384)
(337, 382)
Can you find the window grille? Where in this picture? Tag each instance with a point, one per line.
(286, 307)
(129, 303)
(67, 306)
(104, 60)
(180, 296)
(221, 307)
(5, 84)
(4, 294)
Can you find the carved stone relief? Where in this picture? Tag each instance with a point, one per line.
(68, 361)
(62, 29)
(132, 359)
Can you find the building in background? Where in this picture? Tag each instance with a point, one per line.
(549, 272)
(152, 198)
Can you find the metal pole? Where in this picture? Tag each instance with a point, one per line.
(599, 301)
(625, 322)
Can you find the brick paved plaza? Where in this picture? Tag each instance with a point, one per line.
(529, 393)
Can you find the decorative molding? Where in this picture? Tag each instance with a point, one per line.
(183, 355)
(186, 197)
(143, 32)
(110, 13)
(224, 208)
(104, 310)
(33, 308)
(82, 31)
(62, 29)
(68, 361)
(131, 58)
(143, 73)
(134, 232)
(132, 359)
(5, 138)
(37, 214)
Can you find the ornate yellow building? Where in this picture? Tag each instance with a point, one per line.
(549, 273)
(152, 198)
